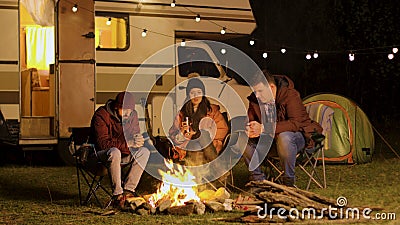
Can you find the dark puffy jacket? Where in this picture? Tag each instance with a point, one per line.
(108, 132)
(291, 114)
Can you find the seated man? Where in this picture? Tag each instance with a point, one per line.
(293, 125)
(117, 138)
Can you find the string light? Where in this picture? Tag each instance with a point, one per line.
(265, 55)
(144, 33)
(223, 30)
(252, 42)
(223, 51)
(351, 56)
(315, 55)
(75, 8)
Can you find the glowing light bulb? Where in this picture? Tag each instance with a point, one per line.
(198, 18)
(108, 22)
(308, 56)
(223, 30)
(252, 42)
(351, 57)
(223, 51)
(265, 55)
(395, 50)
(183, 43)
(390, 56)
(173, 4)
(283, 50)
(315, 55)
(75, 8)
(144, 33)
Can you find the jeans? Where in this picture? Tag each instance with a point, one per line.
(287, 144)
(201, 150)
(114, 160)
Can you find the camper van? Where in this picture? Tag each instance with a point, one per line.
(60, 60)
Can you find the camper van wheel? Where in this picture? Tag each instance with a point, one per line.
(63, 149)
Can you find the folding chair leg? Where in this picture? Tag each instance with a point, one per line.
(323, 166)
(274, 167)
(79, 184)
(311, 177)
(92, 191)
(96, 187)
(313, 173)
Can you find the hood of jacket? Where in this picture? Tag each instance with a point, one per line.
(109, 109)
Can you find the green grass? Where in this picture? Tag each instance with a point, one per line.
(49, 195)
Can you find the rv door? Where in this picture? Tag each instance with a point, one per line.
(75, 62)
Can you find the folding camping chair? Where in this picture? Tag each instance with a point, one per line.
(307, 160)
(91, 169)
(88, 168)
(232, 142)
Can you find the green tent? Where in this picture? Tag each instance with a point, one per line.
(348, 131)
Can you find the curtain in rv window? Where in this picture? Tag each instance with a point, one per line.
(112, 31)
(41, 11)
(39, 47)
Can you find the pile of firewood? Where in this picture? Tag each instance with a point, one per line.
(211, 201)
(279, 203)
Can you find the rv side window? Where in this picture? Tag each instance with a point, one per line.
(112, 31)
(196, 60)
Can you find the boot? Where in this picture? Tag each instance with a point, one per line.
(288, 181)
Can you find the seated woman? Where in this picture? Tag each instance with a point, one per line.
(199, 129)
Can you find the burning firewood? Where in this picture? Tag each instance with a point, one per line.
(215, 206)
(163, 204)
(183, 210)
(178, 195)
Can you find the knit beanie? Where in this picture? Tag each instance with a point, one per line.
(125, 99)
(195, 83)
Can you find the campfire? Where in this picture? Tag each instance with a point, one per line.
(178, 194)
(178, 185)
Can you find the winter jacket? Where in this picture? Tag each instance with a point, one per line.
(291, 114)
(215, 114)
(108, 131)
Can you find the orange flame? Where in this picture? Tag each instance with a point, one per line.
(177, 184)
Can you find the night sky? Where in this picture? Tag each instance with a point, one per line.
(334, 28)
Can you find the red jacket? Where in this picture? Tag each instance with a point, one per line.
(291, 114)
(108, 132)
